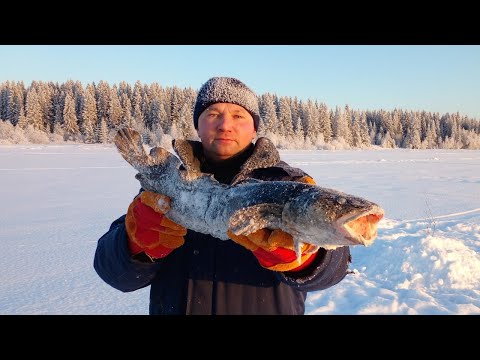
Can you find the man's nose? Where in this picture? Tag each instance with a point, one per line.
(225, 121)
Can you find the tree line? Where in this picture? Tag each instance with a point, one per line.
(51, 112)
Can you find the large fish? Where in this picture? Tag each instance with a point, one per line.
(311, 214)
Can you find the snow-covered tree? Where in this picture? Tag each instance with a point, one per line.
(340, 124)
(268, 113)
(412, 139)
(114, 109)
(324, 122)
(137, 103)
(356, 131)
(101, 131)
(285, 118)
(185, 128)
(4, 95)
(397, 129)
(127, 120)
(22, 119)
(430, 140)
(34, 111)
(14, 104)
(124, 88)
(364, 136)
(58, 103)
(299, 134)
(70, 121)
(154, 116)
(89, 115)
(103, 96)
(176, 102)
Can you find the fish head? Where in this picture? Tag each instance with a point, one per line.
(322, 216)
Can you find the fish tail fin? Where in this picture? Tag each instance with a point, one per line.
(130, 145)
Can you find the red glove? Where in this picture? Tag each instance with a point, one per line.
(274, 249)
(148, 229)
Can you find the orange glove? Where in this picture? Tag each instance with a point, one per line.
(274, 249)
(148, 229)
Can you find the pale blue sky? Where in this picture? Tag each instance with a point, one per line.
(437, 78)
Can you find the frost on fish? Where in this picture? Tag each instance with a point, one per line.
(311, 214)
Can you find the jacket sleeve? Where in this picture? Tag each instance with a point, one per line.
(327, 269)
(116, 266)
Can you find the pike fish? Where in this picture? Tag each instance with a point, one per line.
(312, 214)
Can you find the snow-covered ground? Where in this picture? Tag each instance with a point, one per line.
(57, 200)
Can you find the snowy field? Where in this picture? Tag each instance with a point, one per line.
(57, 200)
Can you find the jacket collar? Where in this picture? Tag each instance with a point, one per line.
(264, 155)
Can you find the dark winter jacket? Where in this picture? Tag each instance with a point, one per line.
(211, 276)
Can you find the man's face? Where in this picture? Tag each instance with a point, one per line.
(225, 130)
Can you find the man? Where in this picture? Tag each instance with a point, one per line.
(194, 273)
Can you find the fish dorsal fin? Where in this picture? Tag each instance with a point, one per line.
(248, 220)
(130, 145)
(162, 157)
(186, 151)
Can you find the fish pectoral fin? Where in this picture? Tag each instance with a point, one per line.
(250, 219)
(301, 248)
(298, 245)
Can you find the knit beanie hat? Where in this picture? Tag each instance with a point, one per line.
(226, 90)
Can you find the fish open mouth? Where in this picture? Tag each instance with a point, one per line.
(363, 228)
